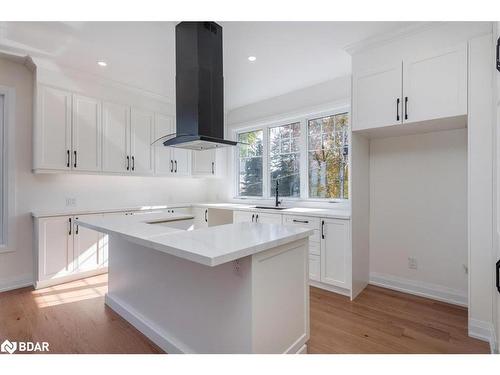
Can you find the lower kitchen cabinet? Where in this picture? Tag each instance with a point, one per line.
(65, 251)
(335, 253)
(200, 217)
(256, 217)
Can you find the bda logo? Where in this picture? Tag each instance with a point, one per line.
(8, 347)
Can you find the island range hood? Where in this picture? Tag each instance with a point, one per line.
(199, 87)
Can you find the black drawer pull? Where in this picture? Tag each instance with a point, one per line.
(406, 108)
(322, 229)
(498, 276)
(206, 216)
(171, 166)
(397, 109)
(128, 163)
(301, 221)
(67, 158)
(133, 162)
(74, 164)
(70, 225)
(253, 217)
(175, 166)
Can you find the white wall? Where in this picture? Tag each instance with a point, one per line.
(318, 98)
(35, 192)
(418, 209)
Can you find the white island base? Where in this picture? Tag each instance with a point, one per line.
(256, 304)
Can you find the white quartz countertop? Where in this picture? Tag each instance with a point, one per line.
(336, 213)
(210, 246)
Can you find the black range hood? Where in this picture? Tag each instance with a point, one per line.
(199, 87)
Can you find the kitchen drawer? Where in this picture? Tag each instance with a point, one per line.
(314, 248)
(314, 267)
(303, 221)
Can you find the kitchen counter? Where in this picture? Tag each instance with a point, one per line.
(210, 246)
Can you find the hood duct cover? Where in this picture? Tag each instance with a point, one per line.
(199, 87)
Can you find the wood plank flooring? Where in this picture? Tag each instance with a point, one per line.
(73, 318)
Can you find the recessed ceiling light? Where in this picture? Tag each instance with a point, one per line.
(252, 58)
(102, 63)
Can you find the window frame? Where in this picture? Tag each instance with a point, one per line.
(265, 126)
(7, 243)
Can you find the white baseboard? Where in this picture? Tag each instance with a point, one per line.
(15, 282)
(484, 331)
(68, 278)
(330, 288)
(145, 326)
(418, 288)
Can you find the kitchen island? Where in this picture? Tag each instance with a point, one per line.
(233, 288)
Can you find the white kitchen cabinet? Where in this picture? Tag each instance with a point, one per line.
(261, 217)
(85, 247)
(141, 136)
(435, 85)
(377, 96)
(55, 247)
(116, 138)
(169, 161)
(86, 134)
(243, 217)
(53, 129)
(204, 163)
(200, 217)
(335, 253)
(414, 88)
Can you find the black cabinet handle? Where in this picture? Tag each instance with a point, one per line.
(74, 163)
(406, 108)
(206, 216)
(67, 158)
(171, 166)
(322, 229)
(77, 227)
(498, 54)
(213, 168)
(397, 109)
(257, 218)
(128, 162)
(133, 162)
(253, 217)
(301, 221)
(175, 166)
(70, 225)
(498, 276)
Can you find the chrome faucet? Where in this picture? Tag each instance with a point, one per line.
(278, 202)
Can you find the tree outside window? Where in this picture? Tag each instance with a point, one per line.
(250, 163)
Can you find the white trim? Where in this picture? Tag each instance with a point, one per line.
(483, 331)
(68, 278)
(15, 282)
(8, 158)
(419, 288)
(330, 288)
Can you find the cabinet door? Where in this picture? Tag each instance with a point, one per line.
(182, 161)
(375, 97)
(314, 267)
(200, 217)
(53, 130)
(164, 164)
(335, 253)
(116, 142)
(86, 153)
(85, 247)
(261, 217)
(435, 86)
(204, 163)
(141, 151)
(55, 246)
(243, 217)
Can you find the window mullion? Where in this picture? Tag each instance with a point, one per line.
(265, 164)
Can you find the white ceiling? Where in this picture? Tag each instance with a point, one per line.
(290, 55)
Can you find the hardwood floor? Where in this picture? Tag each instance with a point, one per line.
(73, 318)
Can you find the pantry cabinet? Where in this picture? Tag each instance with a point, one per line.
(335, 253)
(169, 161)
(417, 87)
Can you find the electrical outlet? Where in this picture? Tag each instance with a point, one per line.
(412, 263)
(70, 202)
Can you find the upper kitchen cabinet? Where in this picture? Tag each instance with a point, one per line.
(67, 131)
(52, 132)
(376, 99)
(116, 138)
(86, 134)
(141, 137)
(204, 163)
(169, 161)
(417, 87)
(435, 85)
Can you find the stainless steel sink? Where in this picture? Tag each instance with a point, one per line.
(270, 208)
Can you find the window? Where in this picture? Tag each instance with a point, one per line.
(328, 155)
(250, 163)
(2, 173)
(284, 159)
(308, 157)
